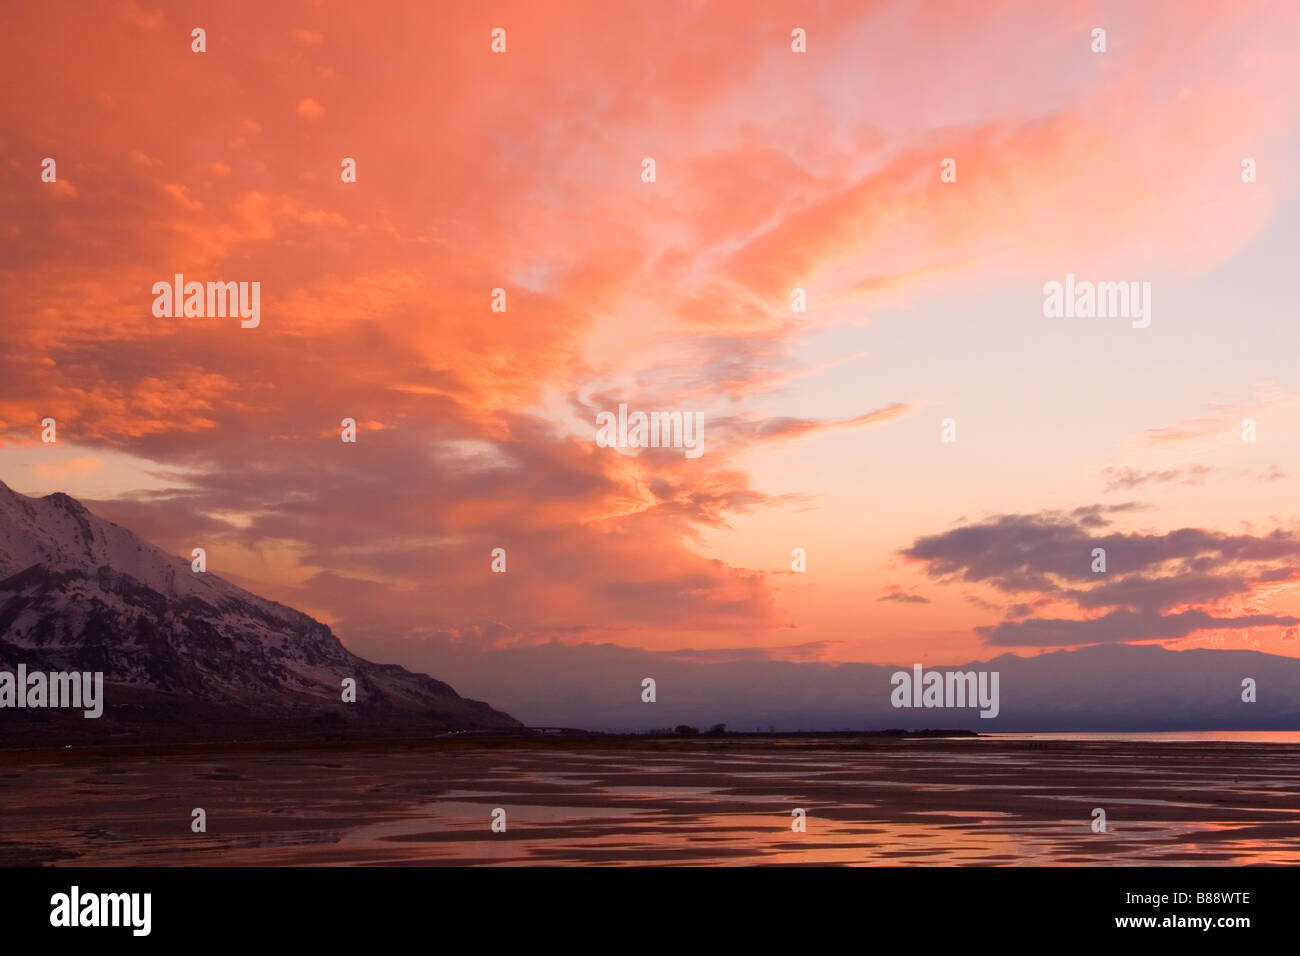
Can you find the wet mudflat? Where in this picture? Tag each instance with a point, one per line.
(628, 801)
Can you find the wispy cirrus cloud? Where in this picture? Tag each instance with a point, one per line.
(1129, 478)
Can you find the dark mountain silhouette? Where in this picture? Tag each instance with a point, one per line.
(185, 654)
(1102, 688)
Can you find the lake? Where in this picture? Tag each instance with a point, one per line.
(1167, 799)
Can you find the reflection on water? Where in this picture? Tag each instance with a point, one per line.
(1171, 736)
(1021, 800)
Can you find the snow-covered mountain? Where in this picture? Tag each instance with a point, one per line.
(184, 653)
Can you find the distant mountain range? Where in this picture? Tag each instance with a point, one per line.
(185, 655)
(1102, 688)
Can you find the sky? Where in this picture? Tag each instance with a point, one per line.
(774, 170)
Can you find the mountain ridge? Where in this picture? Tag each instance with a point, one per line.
(186, 653)
(1099, 688)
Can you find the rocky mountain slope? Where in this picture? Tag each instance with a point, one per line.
(185, 654)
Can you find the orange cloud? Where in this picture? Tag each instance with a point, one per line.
(521, 172)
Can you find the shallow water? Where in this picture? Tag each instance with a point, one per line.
(974, 802)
